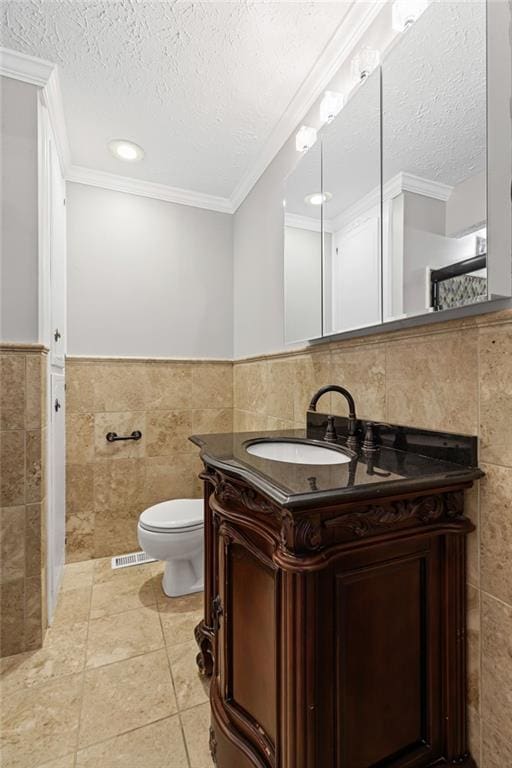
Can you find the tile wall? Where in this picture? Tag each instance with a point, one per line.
(22, 498)
(110, 484)
(455, 376)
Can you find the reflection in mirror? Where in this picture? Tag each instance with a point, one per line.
(434, 163)
(352, 212)
(303, 248)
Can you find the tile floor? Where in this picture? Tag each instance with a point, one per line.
(115, 685)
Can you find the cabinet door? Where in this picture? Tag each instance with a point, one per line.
(57, 499)
(388, 627)
(57, 261)
(247, 666)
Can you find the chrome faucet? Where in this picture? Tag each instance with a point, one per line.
(330, 435)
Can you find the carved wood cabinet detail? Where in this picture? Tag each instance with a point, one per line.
(335, 636)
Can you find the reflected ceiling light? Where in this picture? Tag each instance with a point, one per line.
(364, 63)
(126, 150)
(330, 106)
(317, 198)
(305, 138)
(406, 12)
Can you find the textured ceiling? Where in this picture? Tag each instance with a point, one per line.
(434, 95)
(199, 85)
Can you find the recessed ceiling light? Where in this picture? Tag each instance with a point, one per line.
(126, 150)
(317, 198)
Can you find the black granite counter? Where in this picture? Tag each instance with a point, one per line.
(386, 472)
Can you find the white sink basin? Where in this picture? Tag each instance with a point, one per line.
(297, 453)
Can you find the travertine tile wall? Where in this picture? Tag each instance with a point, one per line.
(22, 498)
(455, 376)
(109, 484)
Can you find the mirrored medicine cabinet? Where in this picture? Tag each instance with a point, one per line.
(385, 217)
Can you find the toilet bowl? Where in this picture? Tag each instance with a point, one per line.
(173, 531)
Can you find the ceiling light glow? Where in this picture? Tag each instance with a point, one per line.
(317, 198)
(330, 106)
(126, 150)
(305, 138)
(406, 12)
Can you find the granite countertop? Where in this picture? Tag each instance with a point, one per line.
(297, 486)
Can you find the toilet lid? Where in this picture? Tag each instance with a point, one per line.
(175, 515)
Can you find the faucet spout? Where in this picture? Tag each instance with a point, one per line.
(352, 418)
(335, 388)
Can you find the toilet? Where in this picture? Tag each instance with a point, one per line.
(173, 531)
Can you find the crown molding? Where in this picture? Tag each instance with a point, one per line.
(402, 182)
(302, 222)
(44, 75)
(52, 98)
(426, 187)
(112, 181)
(28, 69)
(349, 32)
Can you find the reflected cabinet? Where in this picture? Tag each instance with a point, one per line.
(389, 215)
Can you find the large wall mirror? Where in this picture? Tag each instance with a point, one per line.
(434, 163)
(302, 206)
(402, 171)
(352, 212)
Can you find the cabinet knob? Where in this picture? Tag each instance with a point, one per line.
(57, 334)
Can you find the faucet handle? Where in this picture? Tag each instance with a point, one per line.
(330, 433)
(370, 441)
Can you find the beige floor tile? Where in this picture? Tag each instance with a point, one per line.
(124, 696)
(196, 725)
(40, 724)
(159, 745)
(61, 762)
(179, 616)
(63, 654)
(123, 635)
(73, 606)
(77, 575)
(132, 590)
(190, 689)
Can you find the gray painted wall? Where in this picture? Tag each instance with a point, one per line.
(19, 212)
(146, 277)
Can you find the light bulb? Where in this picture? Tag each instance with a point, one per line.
(305, 138)
(406, 12)
(364, 63)
(330, 106)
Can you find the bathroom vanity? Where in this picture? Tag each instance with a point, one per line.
(334, 627)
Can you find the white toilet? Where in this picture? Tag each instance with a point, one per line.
(173, 531)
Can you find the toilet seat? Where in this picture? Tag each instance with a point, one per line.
(174, 516)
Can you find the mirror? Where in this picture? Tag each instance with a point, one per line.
(352, 212)
(303, 248)
(434, 163)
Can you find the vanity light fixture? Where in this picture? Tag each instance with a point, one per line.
(330, 106)
(317, 198)
(305, 138)
(406, 12)
(364, 63)
(126, 150)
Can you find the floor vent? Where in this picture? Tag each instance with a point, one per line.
(134, 558)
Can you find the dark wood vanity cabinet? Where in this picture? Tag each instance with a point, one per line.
(335, 636)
